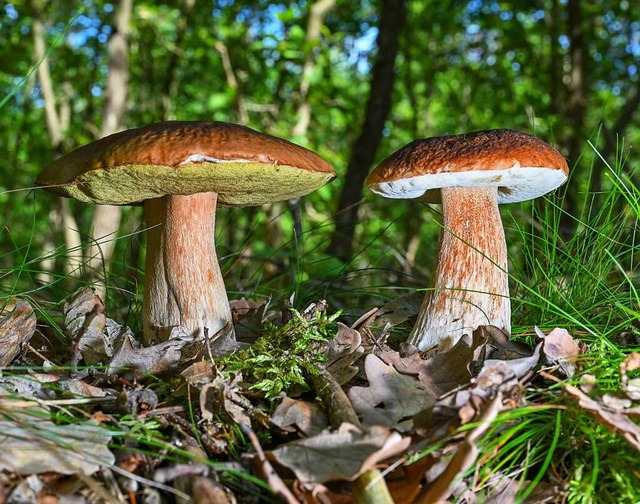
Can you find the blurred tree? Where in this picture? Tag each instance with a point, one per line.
(391, 23)
(567, 71)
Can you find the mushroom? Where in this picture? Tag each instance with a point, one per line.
(470, 175)
(180, 172)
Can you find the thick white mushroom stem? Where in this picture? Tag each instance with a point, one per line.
(470, 284)
(183, 283)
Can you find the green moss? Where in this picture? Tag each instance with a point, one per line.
(284, 356)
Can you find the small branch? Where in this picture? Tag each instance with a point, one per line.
(232, 82)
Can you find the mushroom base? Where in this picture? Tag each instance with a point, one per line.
(183, 283)
(470, 284)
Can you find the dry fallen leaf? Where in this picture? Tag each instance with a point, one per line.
(614, 420)
(560, 348)
(521, 366)
(32, 444)
(397, 310)
(630, 386)
(341, 455)
(223, 397)
(341, 352)
(305, 417)
(156, 359)
(248, 318)
(391, 399)
(85, 322)
(465, 455)
(440, 373)
(16, 329)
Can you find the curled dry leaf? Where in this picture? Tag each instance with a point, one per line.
(16, 329)
(137, 401)
(199, 373)
(630, 386)
(32, 444)
(341, 352)
(440, 373)
(28, 386)
(81, 389)
(391, 399)
(209, 490)
(85, 322)
(462, 405)
(560, 348)
(465, 455)
(341, 455)
(223, 397)
(160, 358)
(520, 366)
(615, 421)
(396, 311)
(293, 415)
(248, 317)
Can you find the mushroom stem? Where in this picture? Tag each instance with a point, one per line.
(183, 283)
(471, 283)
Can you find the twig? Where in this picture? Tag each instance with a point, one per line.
(370, 487)
(270, 474)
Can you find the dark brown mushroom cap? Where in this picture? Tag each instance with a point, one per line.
(521, 166)
(244, 166)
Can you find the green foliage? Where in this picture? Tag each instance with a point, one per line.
(283, 356)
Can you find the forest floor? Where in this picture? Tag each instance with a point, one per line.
(310, 410)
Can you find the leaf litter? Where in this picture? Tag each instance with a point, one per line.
(318, 407)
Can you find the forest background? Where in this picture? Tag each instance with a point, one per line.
(353, 81)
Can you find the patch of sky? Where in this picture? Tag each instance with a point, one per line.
(362, 46)
(11, 12)
(633, 47)
(270, 24)
(563, 40)
(538, 15)
(474, 6)
(86, 28)
(473, 29)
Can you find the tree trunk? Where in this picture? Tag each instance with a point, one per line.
(60, 211)
(106, 220)
(576, 108)
(392, 18)
(317, 13)
(169, 83)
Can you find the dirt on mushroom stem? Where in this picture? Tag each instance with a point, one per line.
(470, 286)
(183, 282)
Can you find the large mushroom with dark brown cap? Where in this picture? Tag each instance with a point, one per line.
(470, 175)
(180, 171)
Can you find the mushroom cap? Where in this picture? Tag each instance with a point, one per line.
(243, 166)
(521, 166)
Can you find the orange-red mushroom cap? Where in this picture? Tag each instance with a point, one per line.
(245, 167)
(521, 166)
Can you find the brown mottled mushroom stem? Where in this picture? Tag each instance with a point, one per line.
(471, 283)
(183, 283)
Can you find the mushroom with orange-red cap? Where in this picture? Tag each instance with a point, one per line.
(470, 175)
(180, 172)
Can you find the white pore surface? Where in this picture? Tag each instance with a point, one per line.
(200, 158)
(514, 184)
